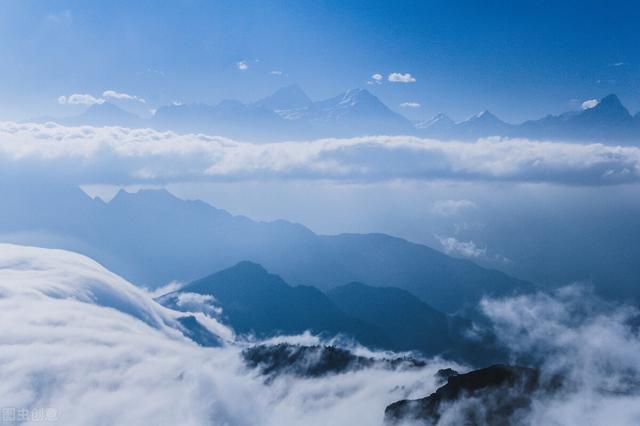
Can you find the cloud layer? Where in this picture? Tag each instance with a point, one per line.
(592, 344)
(119, 155)
(90, 348)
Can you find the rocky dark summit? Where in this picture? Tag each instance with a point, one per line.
(496, 395)
(315, 361)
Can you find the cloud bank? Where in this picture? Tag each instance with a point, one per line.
(87, 347)
(120, 155)
(80, 99)
(592, 344)
(90, 348)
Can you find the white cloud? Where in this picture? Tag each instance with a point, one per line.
(95, 350)
(590, 343)
(375, 79)
(80, 99)
(410, 105)
(194, 302)
(591, 103)
(467, 249)
(276, 72)
(121, 96)
(396, 77)
(116, 155)
(92, 348)
(451, 207)
(242, 65)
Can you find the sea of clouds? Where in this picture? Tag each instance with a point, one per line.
(91, 348)
(120, 155)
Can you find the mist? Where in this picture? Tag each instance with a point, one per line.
(88, 346)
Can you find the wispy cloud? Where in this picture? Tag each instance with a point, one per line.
(80, 99)
(591, 103)
(468, 249)
(396, 77)
(376, 79)
(121, 96)
(451, 207)
(276, 72)
(115, 154)
(412, 104)
(587, 342)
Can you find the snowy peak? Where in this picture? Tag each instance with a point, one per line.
(358, 101)
(484, 117)
(440, 122)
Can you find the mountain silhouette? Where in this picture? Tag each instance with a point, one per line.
(256, 302)
(152, 237)
(288, 98)
(289, 114)
(412, 324)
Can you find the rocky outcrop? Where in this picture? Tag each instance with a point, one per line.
(496, 395)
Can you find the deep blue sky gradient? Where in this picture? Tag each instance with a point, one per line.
(519, 59)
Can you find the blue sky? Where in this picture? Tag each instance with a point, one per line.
(518, 59)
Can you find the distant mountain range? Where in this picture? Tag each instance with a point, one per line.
(261, 304)
(290, 114)
(152, 238)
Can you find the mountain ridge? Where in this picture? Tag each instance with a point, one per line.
(184, 240)
(258, 303)
(289, 114)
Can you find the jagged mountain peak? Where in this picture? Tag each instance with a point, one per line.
(440, 121)
(353, 97)
(611, 100)
(285, 98)
(485, 115)
(610, 105)
(249, 268)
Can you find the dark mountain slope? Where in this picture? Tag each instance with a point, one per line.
(152, 238)
(411, 324)
(256, 302)
(405, 318)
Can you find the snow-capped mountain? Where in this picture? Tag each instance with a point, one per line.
(607, 122)
(289, 114)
